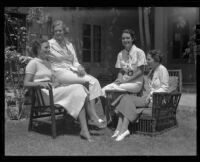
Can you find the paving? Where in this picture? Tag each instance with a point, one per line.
(187, 102)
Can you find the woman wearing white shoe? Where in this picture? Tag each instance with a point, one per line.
(158, 79)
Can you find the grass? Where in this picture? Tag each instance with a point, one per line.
(178, 141)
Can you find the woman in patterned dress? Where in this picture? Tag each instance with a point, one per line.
(130, 62)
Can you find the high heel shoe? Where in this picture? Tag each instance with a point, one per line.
(115, 134)
(100, 120)
(97, 124)
(122, 136)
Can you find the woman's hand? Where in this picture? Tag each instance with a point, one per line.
(81, 71)
(119, 81)
(46, 85)
(148, 99)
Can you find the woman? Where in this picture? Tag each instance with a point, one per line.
(130, 61)
(67, 69)
(70, 97)
(158, 79)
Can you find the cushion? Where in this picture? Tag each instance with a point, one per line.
(173, 83)
(145, 111)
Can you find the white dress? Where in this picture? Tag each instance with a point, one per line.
(71, 97)
(64, 63)
(136, 58)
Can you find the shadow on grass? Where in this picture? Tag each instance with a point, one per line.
(63, 127)
(69, 126)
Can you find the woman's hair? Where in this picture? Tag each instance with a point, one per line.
(156, 55)
(60, 23)
(36, 45)
(132, 33)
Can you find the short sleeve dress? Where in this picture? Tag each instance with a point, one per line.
(70, 97)
(136, 59)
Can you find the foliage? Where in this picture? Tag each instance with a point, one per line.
(190, 52)
(37, 14)
(17, 53)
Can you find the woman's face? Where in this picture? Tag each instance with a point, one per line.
(150, 61)
(127, 40)
(44, 51)
(58, 32)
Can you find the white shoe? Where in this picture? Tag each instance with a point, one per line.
(115, 134)
(122, 136)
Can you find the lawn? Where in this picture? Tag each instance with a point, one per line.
(178, 141)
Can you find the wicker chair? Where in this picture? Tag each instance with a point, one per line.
(162, 116)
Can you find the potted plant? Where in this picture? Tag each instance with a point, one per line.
(14, 75)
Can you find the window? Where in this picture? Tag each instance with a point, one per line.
(91, 43)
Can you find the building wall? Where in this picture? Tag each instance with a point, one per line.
(164, 18)
(112, 21)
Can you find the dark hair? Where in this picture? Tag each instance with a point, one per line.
(156, 55)
(132, 33)
(36, 45)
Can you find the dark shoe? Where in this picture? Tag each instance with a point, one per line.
(97, 124)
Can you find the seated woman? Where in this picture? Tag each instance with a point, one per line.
(67, 69)
(158, 79)
(130, 61)
(71, 97)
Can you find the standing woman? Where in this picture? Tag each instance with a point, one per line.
(130, 62)
(158, 79)
(70, 97)
(67, 69)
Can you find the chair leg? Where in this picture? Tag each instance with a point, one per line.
(30, 125)
(53, 124)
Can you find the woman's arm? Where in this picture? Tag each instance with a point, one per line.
(28, 82)
(135, 75)
(163, 76)
(80, 68)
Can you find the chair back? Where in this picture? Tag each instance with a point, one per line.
(176, 75)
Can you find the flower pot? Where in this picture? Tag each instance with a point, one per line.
(13, 111)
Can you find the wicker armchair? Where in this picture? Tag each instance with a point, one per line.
(162, 116)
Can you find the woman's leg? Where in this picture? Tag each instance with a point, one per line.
(131, 87)
(84, 129)
(93, 117)
(119, 124)
(124, 127)
(69, 77)
(124, 132)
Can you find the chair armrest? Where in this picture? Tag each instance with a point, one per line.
(37, 95)
(165, 101)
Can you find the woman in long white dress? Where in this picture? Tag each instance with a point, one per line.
(70, 97)
(68, 70)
